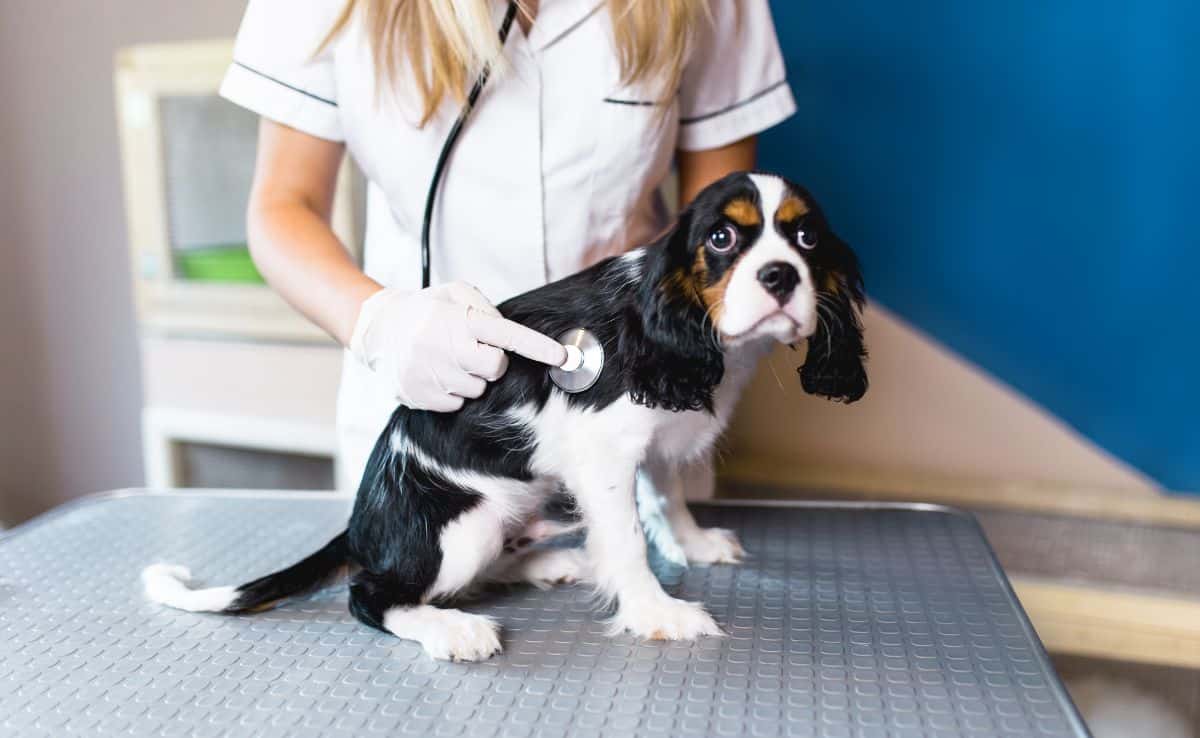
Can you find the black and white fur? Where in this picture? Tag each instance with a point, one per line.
(447, 497)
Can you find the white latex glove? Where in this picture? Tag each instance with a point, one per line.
(439, 346)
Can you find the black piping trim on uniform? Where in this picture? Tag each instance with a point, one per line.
(293, 88)
(640, 103)
(735, 106)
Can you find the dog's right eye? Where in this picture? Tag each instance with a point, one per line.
(723, 239)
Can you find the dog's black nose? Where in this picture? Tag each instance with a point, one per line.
(780, 279)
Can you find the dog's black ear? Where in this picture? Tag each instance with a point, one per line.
(676, 362)
(835, 367)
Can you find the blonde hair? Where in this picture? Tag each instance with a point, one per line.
(447, 43)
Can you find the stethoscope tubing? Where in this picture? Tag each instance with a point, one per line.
(590, 351)
(439, 169)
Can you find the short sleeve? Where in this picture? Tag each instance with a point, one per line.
(735, 84)
(277, 71)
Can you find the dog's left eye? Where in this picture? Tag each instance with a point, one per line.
(723, 239)
(807, 238)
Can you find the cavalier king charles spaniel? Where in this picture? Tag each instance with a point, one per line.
(450, 500)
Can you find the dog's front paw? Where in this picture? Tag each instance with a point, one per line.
(712, 546)
(664, 618)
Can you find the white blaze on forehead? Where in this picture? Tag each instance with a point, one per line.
(746, 301)
(771, 191)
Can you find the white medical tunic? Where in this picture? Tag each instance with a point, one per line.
(559, 165)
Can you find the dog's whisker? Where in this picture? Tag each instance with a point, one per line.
(833, 315)
(778, 381)
(709, 315)
(825, 328)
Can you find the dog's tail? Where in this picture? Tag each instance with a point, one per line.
(168, 584)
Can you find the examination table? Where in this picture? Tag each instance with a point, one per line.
(846, 621)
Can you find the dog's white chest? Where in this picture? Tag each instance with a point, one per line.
(682, 436)
(567, 435)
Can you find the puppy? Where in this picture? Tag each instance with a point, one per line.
(683, 322)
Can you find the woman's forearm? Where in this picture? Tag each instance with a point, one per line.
(301, 258)
(699, 169)
(289, 230)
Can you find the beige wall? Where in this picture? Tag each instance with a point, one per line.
(929, 415)
(69, 384)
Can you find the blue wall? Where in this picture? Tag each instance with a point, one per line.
(1022, 180)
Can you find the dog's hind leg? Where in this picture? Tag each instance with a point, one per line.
(390, 601)
(447, 634)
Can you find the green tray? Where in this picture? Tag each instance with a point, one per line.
(230, 263)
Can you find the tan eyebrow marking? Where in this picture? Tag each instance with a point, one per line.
(743, 212)
(792, 208)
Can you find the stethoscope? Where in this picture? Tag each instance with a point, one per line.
(585, 353)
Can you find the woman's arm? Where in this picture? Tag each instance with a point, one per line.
(698, 169)
(435, 347)
(290, 236)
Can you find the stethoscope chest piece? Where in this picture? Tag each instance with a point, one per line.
(585, 361)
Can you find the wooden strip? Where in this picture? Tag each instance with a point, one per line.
(1111, 624)
(1045, 497)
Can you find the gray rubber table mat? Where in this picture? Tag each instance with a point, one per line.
(845, 623)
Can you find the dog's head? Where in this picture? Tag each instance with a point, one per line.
(754, 258)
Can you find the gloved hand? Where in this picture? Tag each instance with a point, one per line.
(441, 345)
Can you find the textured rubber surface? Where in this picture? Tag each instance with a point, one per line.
(849, 623)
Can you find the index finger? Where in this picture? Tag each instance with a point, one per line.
(505, 334)
(470, 295)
